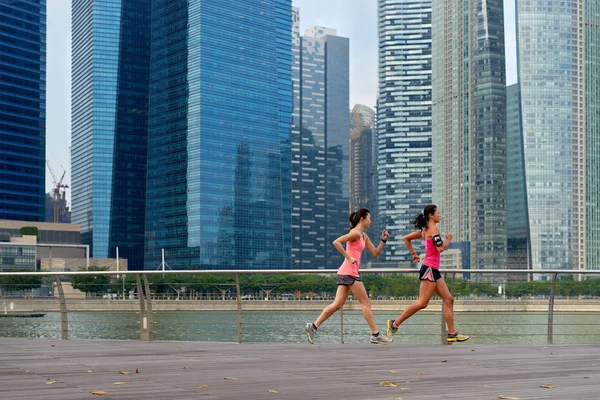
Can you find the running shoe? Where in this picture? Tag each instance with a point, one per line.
(311, 332)
(391, 329)
(380, 339)
(457, 337)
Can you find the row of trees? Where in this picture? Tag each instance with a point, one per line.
(390, 285)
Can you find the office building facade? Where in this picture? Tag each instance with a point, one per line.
(110, 72)
(403, 118)
(320, 130)
(23, 110)
(219, 135)
(469, 126)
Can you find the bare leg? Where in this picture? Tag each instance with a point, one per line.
(425, 292)
(442, 290)
(340, 298)
(358, 288)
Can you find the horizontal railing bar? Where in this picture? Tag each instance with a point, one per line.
(303, 271)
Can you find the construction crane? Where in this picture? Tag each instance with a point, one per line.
(56, 191)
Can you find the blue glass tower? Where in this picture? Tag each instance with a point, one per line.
(110, 74)
(22, 109)
(218, 193)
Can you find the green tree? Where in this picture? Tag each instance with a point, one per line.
(91, 283)
(19, 282)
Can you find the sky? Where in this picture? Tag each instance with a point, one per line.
(354, 19)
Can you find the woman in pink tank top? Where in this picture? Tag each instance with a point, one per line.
(429, 275)
(348, 279)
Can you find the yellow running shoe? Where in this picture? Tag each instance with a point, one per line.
(457, 337)
(391, 329)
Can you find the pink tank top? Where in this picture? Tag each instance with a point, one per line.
(355, 250)
(432, 255)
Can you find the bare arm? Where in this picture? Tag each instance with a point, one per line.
(351, 236)
(407, 242)
(375, 251)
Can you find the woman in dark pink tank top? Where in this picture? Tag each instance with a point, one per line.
(348, 279)
(431, 279)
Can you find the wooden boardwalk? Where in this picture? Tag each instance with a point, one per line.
(200, 370)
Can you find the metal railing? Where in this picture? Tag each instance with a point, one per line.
(144, 294)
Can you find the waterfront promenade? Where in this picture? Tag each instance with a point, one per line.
(72, 369)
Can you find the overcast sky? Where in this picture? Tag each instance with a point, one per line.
(354, 19)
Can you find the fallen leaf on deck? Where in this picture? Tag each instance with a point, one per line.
(124, 372)
(508, 398)
(473, 350)
(137, 371)
(473, 365)
(118, 383)
(444, 361)
(230, 378)
(388, 384)
(420, 373)
(487, 387)
(203, 386)
(98, 392)
(50, 382)
(404, 388)
(392, 371)
(52, 345)
(89, 371)
(272, 391)
(548, 386)
(586, 377)
(28, 371)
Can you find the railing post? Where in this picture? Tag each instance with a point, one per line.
(443, 333)
(238, 300)
(64, 323)
(144, 331)
(551, 310)
(342, 325)
(149, 308)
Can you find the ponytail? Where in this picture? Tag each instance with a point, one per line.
(420, 221)
(356, 216)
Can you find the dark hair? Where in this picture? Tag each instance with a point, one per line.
(356, 216)
(421, 220)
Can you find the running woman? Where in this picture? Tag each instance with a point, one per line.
(430, 277)
(348, 279)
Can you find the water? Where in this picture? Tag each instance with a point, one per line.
(288, 326)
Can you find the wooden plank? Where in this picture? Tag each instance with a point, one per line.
(295, 371)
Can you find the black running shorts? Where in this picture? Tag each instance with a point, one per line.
(429, 274)
(347, 280)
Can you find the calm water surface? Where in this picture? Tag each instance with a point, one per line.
(286, 326)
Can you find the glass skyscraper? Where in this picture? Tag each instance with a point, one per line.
(219, 134)
(403, 118)
(592, 138)
(110, 73)
(363, 163)
(469, 126)
(517, 221)
(320, 130)
(22, 109)
(550, 50)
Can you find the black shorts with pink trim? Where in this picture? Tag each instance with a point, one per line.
(429, 274)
